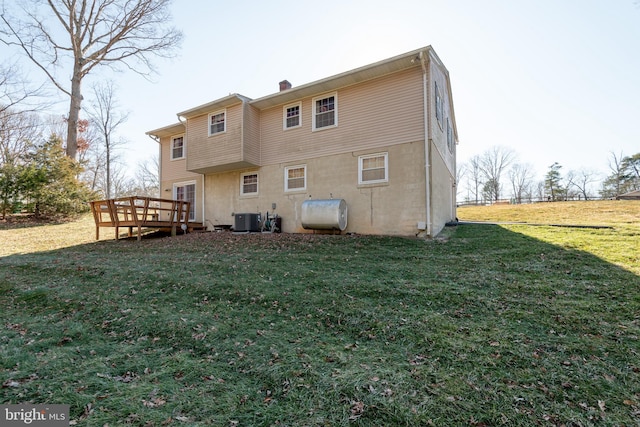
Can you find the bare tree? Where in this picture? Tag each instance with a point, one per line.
(16, 95)
(148, 177)
(612, 186)
(521, 177)
(475, 177)
(582, 179)
(493, 163)
(106, 118)
(79, 35)
(18, 132)
(461, 172)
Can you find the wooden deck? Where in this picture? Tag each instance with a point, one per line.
(138, 212)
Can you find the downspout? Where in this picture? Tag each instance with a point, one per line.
(427, 142)
(184, 123)
(157, 140)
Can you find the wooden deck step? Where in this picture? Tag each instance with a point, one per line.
(197, 228)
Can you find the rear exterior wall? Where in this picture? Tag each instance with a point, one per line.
(174, 172)
(394, 207)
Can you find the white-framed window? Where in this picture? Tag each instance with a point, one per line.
(373, 168)
(186, 191)
(217, 122)
(325, 111)
(439, 105)
(295, 178)
(292, 116)
(177, 147)
(449, 136)
(249, 183)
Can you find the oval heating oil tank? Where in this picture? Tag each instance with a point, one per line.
(324, 214)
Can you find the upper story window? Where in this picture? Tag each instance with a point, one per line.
(177, 148)
(373, 168)
(249, 183)
(217, 123)
(295, 178)
(439, 106)
(325, 112)
(292, 116)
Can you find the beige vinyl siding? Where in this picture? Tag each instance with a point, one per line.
(251, 134)
(439, 132)
(173, 169)
(377, 113)
(223, 150)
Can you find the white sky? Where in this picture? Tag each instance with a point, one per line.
(555, 80)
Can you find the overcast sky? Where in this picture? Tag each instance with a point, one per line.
(555, 80)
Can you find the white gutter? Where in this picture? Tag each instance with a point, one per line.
(184, 123)
(427, 142)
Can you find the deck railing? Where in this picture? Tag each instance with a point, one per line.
(140, 212)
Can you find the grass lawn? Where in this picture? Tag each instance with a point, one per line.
(486, 325)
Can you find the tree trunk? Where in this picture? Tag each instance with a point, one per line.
(74, 111)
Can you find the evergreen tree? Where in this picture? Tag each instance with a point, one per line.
(552, 182)
(51, 182)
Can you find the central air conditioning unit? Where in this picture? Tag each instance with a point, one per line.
(247, 222)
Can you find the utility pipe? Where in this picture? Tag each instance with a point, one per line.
(427, 142)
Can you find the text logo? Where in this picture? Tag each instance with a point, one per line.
(34, 415)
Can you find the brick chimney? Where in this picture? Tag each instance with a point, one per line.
(284, 85)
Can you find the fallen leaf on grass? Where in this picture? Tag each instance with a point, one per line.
(154, 402)
(10, 384)
(357, 409)
(601, 405)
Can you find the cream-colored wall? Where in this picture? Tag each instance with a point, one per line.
(395, 207)
(443, 202)
(377, 113)
(443, 159)
(175, 171)
(439, 132)
(206, 152)
(381, 115)
(251, 134)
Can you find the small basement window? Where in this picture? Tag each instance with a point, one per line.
(373, 168)
(295, 178)
(249, 184)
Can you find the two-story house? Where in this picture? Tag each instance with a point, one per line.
(381, 137)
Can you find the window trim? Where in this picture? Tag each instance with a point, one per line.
(314, 114)
(242, 175)
(215, 113)
(439, 105)
(286, 178)
(192, 212)
(173, 138)
(371, 156)
(284, 115)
